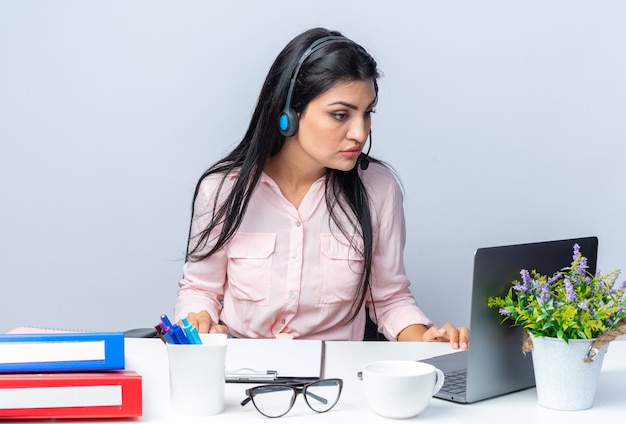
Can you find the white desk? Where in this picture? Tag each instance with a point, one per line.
(344, 359)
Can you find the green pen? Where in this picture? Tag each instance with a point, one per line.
(191, 332)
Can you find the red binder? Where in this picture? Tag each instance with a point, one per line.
(71, 395)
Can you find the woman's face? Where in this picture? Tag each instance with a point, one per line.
(334, 126)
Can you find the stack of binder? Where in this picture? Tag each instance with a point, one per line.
(67, 375)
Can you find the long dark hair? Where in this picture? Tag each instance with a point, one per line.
(346, 196)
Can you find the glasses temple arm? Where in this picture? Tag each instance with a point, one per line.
(317, 398)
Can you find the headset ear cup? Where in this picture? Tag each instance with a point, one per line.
(288, 122)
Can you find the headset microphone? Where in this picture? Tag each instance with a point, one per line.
(364, 159)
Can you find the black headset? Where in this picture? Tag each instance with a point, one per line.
(288, 120)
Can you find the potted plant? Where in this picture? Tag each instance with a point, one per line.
(568, 320)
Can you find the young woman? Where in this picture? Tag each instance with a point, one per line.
(297, 232)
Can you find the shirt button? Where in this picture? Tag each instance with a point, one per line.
(282, 321)
(293, 296)
(295, 257)
(298, 223)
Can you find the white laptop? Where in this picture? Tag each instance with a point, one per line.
(495, 365)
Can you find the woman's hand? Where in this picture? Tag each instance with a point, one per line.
(205, 324)
(457, 336)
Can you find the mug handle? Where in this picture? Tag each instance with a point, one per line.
(440, 380)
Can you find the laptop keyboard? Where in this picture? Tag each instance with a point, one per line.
(455, 382)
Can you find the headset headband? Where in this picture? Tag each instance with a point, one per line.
(288, 120)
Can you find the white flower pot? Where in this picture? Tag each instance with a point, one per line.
(564, 380)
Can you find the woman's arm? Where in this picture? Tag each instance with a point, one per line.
(399, 316)
(202, 285)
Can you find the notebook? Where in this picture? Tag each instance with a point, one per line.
(494, 364)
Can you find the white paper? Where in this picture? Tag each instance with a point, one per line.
(289, 358)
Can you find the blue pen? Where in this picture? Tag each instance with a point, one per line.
(165, 320)
(179, 334)
(191, 332)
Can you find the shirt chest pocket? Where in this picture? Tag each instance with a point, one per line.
(249, 267)
(341, 269)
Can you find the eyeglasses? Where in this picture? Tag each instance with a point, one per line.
(275, 400)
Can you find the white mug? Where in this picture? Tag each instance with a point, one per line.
(400, 388)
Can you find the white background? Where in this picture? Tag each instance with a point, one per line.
(505, 120)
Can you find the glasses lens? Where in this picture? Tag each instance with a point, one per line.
(323, 395)
(273, 401)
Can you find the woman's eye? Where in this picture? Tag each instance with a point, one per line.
(340, 116)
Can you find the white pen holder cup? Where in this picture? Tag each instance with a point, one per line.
(196, 371)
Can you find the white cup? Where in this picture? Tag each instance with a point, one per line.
(197, 385)
(399, 388)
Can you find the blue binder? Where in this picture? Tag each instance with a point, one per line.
(61, 352)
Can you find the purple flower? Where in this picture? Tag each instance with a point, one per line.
(504, 312)
(576, 251)
(554, 278)
(526, 282)
(544, 295)
(582, 265)
(570, 292)
(584, 305)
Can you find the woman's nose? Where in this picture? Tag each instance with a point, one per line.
(359, 129)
